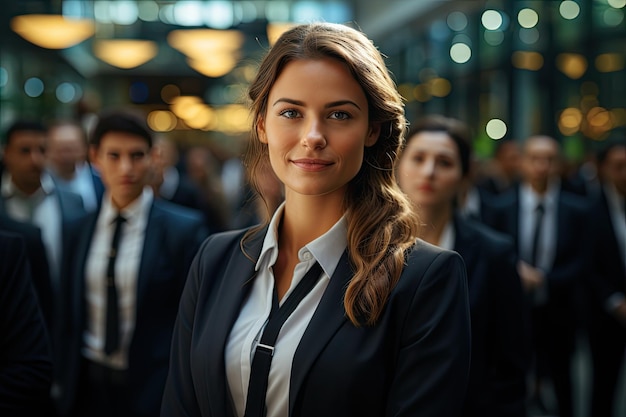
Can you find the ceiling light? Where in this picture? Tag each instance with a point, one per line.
(52, 31)
(211, 52)
(200, 43)
(125, 53)
(215, 65)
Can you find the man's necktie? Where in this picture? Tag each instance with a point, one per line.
(539, 211)
(112, 340)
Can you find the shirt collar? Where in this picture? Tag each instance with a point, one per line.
(326, 249)
(9, 189)
(130, 212)
(529, 198)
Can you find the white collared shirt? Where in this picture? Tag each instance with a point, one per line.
(241, 344)
(126, 273)
(42, 209)
(448, 236)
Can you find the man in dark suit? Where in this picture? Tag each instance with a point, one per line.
(28, 195)
(553, 261)
(122, 298)
(607, 281)
(25, 363)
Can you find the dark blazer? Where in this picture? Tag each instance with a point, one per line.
(71, 208)
(414, 361)
(25, 362)
(607, 336)
(173, 235)
(37, 261)
(499, 358)
(608, 274)
(572, 259)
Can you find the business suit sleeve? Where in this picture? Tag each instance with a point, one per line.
(433, 362)
(25, 364)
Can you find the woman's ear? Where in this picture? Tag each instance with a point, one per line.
(260, 130)
(373, 134)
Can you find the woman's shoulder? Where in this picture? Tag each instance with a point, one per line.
(219, 245)
(425, 257)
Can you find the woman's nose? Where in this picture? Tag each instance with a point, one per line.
(313, 136)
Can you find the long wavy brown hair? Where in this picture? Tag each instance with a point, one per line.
(381, 225)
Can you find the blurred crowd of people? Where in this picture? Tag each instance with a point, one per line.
(545, 251)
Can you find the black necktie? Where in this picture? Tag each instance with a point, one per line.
(112, 340)
(257, 388)
(539, 211)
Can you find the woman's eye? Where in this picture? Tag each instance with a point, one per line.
(339, 115)
(289, 113)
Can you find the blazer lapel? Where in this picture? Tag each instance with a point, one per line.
(231, 292)
(150, 252)
(326, 321)
(80, 259)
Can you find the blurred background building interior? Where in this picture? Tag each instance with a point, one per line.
(508, 68)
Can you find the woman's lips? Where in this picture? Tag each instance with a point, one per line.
(311, 164)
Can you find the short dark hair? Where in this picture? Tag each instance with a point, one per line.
(456, 129)
(121, 121)
(23, 126)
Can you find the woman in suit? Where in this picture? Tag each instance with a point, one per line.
(385, 328)
(432, 170)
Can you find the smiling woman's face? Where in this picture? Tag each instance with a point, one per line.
(316, 127)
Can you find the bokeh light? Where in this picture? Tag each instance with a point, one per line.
(460, 53)
(569, 9)
(527, 18)
(527, 60)
(67, 93)
(496, 129)
(457, 21)
(162, 120)
(529, 36)
(491, 19)
(494, 38)
(33, 87)
(613, 17)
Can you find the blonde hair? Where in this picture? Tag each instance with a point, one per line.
(381, 224)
